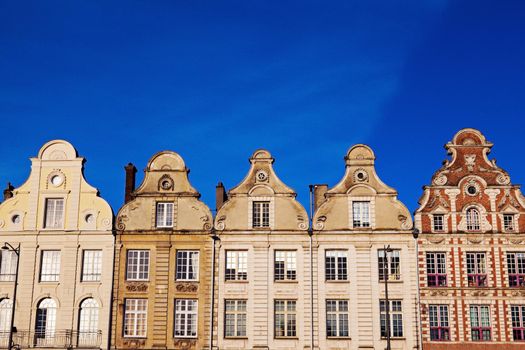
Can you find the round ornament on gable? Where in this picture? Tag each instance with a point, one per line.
(262, 175)
(57, 180)
(360, 175)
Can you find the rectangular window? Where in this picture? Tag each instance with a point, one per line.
(54, 213)
(337, 318)
(508, 222)
(518, 322)
(480, 322)
(92, 265)
(361, 214)
(135, 318)
(186, 318)
(285, 318)
(236, 265)
(476, 270)
(164, 214)
(235, 318)
(437, 269)
(439, 222)
(396, 318)
(50, 266)
(8, 260)
(261, 214)
(438, 320)
(187, 265)
(137, 265)
(388, 265)
(285, 265)
(336, 265)
(516, 269)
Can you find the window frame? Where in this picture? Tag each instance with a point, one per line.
(261, 214)
(339, 316)
(505, 224)
(479, 277)
(289, 318)
(8, 262)
(52, 265)
(50, 217)
(441, 316)
(138, 265)
(436, 226)
(93, 267)
(436, 276)
(514, 265)
(139, 314)
(479, 328)
(189, 261)
(164, 217)
(191, 318)
(289, 274)
(241, 267)
(391, 265)
(361, 214)
(518, 326)
(473, 219)
(334, 274)
(395, 316)
(239, 316)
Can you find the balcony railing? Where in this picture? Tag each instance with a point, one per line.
(66, 339)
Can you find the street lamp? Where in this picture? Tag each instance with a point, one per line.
(9, 247)
(387, 250)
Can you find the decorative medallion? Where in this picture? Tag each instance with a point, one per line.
(186, 287)
(440, 180)
(360, 175)
(442, 293)
(134, 343)
(165, 183)
(137, 287)
(470, 161)
(503, 179)
(56, 178)
(436, 239)
(472, 188)
(479, 293)
(185, 344)
(475, 239)
(261, 176)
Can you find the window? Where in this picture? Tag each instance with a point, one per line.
(285, 318)
(88, 323)
(135, 318)
(187, 265)
(438, 319)
(480, 322)
(185, 318)
(236, 265)
(508, 222)
(6, 307)
(8, 261)
(396, 318)
(473, 220)
(361, 214)
(437, 269)
(261, 214)
(337, 318)
(54, 213)
(50, 266)
(138, 265)
(285, 265)
(336, 265)
(516, 269)
(45, 322)
(388, 265)
(476, 270)
(518, 322)
(235, 318)
(439, 222)
(164, 214)
(92, 265)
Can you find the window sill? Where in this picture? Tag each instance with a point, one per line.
(50, 282)
(394, 338)
(91, 282)
(391, 281)
(236, 338)
(132, 281)
(286, 338)
(187, 337)
(187, 281)
(338, 338)
(134, 337)
(236, 281)
(337, 281)
(286, 281)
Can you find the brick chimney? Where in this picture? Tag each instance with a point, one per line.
(8, 192)
(130, 182)
(220, 196)
(319, 192)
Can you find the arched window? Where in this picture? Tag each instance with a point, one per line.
(473, 219)
(45, 322)
(6, 307)
(88, 323)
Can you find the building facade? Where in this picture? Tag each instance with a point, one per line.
(163, 261)
(64, 231)
(263, 299)
(471, 257)
(362, 236)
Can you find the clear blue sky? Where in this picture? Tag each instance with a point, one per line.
(215, 80)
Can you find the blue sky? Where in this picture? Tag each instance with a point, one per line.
(215, 80)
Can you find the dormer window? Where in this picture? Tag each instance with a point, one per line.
(508, 222)
(164, 214)
(261, 214)
(438, 221)
(361, 214)
(473, 220)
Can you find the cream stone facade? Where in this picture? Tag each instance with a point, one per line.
(263, 299)
(354, 221)
(163, 261)
(66, 253)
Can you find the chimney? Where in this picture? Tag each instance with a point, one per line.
(130, 182)
(319, 192)
(8, 192)
(220, 196)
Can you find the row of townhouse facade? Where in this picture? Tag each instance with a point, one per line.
(354, 271)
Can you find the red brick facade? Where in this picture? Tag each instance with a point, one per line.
(471, 222)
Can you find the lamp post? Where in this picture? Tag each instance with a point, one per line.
(387, 250)
(9, 247)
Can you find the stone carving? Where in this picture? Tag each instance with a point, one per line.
(436, 239)
(106, 222)
(134, 343)
(165, 183)
(184, 344)
(206, 222)
(479, 293)
(503, 179)
(434, 293)
(470, 161)
(360, 175)
(137, 287)
(475, 239)
(405, 224)
(261, 176)
(440, 180)
(57, 155)
(319, 225)
(301, 224)
(2, 223)
(121, 219)
(220, 223)
(187, 287)
(515, 240)
(507, 198)
(437, 199)
(518, 293)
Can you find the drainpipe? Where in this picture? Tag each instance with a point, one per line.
(419, 328)
(310, 234)
(212, 294)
